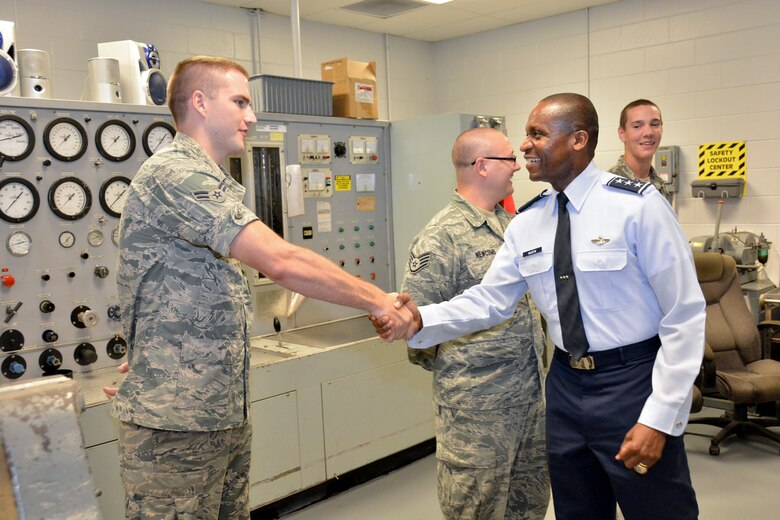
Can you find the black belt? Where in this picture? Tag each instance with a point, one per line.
(603, 358)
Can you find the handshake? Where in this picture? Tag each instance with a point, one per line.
(399, 320)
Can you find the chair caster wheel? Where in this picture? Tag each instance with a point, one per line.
(714, 450)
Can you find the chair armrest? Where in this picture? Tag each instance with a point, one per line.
(706, 379)
(768, 330)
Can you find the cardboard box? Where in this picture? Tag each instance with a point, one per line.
(354, 88)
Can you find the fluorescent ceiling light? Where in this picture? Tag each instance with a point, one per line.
(437, 1)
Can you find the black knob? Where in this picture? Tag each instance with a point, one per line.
(277, 324)
(50, 359)
(11, 340)
(47, 162)
(114, 314)
(101, 271)
(45, 277)
(116, 348)
(71, 275)
(49, 336)
(14, 366)
(85, 354)
(84, 255)
(46, 306)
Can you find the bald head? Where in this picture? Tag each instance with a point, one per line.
(473, 143)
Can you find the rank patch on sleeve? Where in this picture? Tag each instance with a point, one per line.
(215, 195)
(418, 262)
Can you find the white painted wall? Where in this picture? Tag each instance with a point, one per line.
(69, 30)
(713, 66)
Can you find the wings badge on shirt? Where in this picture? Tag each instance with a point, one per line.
(418, 262)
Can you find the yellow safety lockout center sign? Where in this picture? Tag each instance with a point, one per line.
(722, 160)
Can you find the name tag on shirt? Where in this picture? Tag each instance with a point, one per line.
(532, 251)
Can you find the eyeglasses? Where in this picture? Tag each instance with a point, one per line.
(513, 159)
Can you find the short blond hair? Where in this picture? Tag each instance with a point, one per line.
(196, 73)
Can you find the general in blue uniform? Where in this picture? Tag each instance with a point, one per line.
(626, 405)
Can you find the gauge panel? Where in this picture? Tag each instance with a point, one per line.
(156, 136)
(70, 198)
(113, 194)
(115, 140)
(17, 138)
(65, 139)
(19, 200)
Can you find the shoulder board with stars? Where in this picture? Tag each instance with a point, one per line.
(628, 184)
(532, 201)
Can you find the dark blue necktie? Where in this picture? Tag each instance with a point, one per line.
(572, 329)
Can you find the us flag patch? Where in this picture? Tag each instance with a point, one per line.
(418, 263)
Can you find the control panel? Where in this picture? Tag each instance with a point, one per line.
(321, 183)
(65, 167)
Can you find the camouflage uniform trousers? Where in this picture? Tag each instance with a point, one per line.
(185, 475)
(492, 463)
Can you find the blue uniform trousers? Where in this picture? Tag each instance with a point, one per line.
(589, 413)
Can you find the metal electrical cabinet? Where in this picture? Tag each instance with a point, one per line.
(423, 175)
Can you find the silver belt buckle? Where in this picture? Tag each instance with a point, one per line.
(585, 363)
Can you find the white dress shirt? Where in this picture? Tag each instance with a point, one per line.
(635, 279)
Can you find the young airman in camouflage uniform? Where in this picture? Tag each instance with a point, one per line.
(487, 387)
(641, 128)
(185, 434)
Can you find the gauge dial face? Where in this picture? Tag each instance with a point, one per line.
(19, 200)
(113, 195)
(19, 243)
(115, 140)
(95, 238)
(115, 236)
(70, 198)
(157, 135)
(67, 239)
(17, 138)
(65, 139)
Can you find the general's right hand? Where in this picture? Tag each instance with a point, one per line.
(390, 331)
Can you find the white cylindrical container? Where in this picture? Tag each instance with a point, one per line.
(34, 73)
(103, 80)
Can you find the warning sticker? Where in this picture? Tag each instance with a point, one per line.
(343, 183)
(722, 160)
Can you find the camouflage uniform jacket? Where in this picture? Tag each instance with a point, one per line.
(624, 170)
(496, 368)
(186, 306)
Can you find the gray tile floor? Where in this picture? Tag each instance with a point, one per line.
(742, 483)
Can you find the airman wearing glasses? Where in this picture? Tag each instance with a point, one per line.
(486, 386)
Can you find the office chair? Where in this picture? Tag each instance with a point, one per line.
(733, 344)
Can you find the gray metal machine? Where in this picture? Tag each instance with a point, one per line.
(64, 170)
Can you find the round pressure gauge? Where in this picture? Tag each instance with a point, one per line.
(70, 198)
(95, 238)
(113, 195)
(65, 139)
(67, 239)
(115, 236)
(157, 135)
(19, 200)
(17, 138)
(115, 140)
(19, 243)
